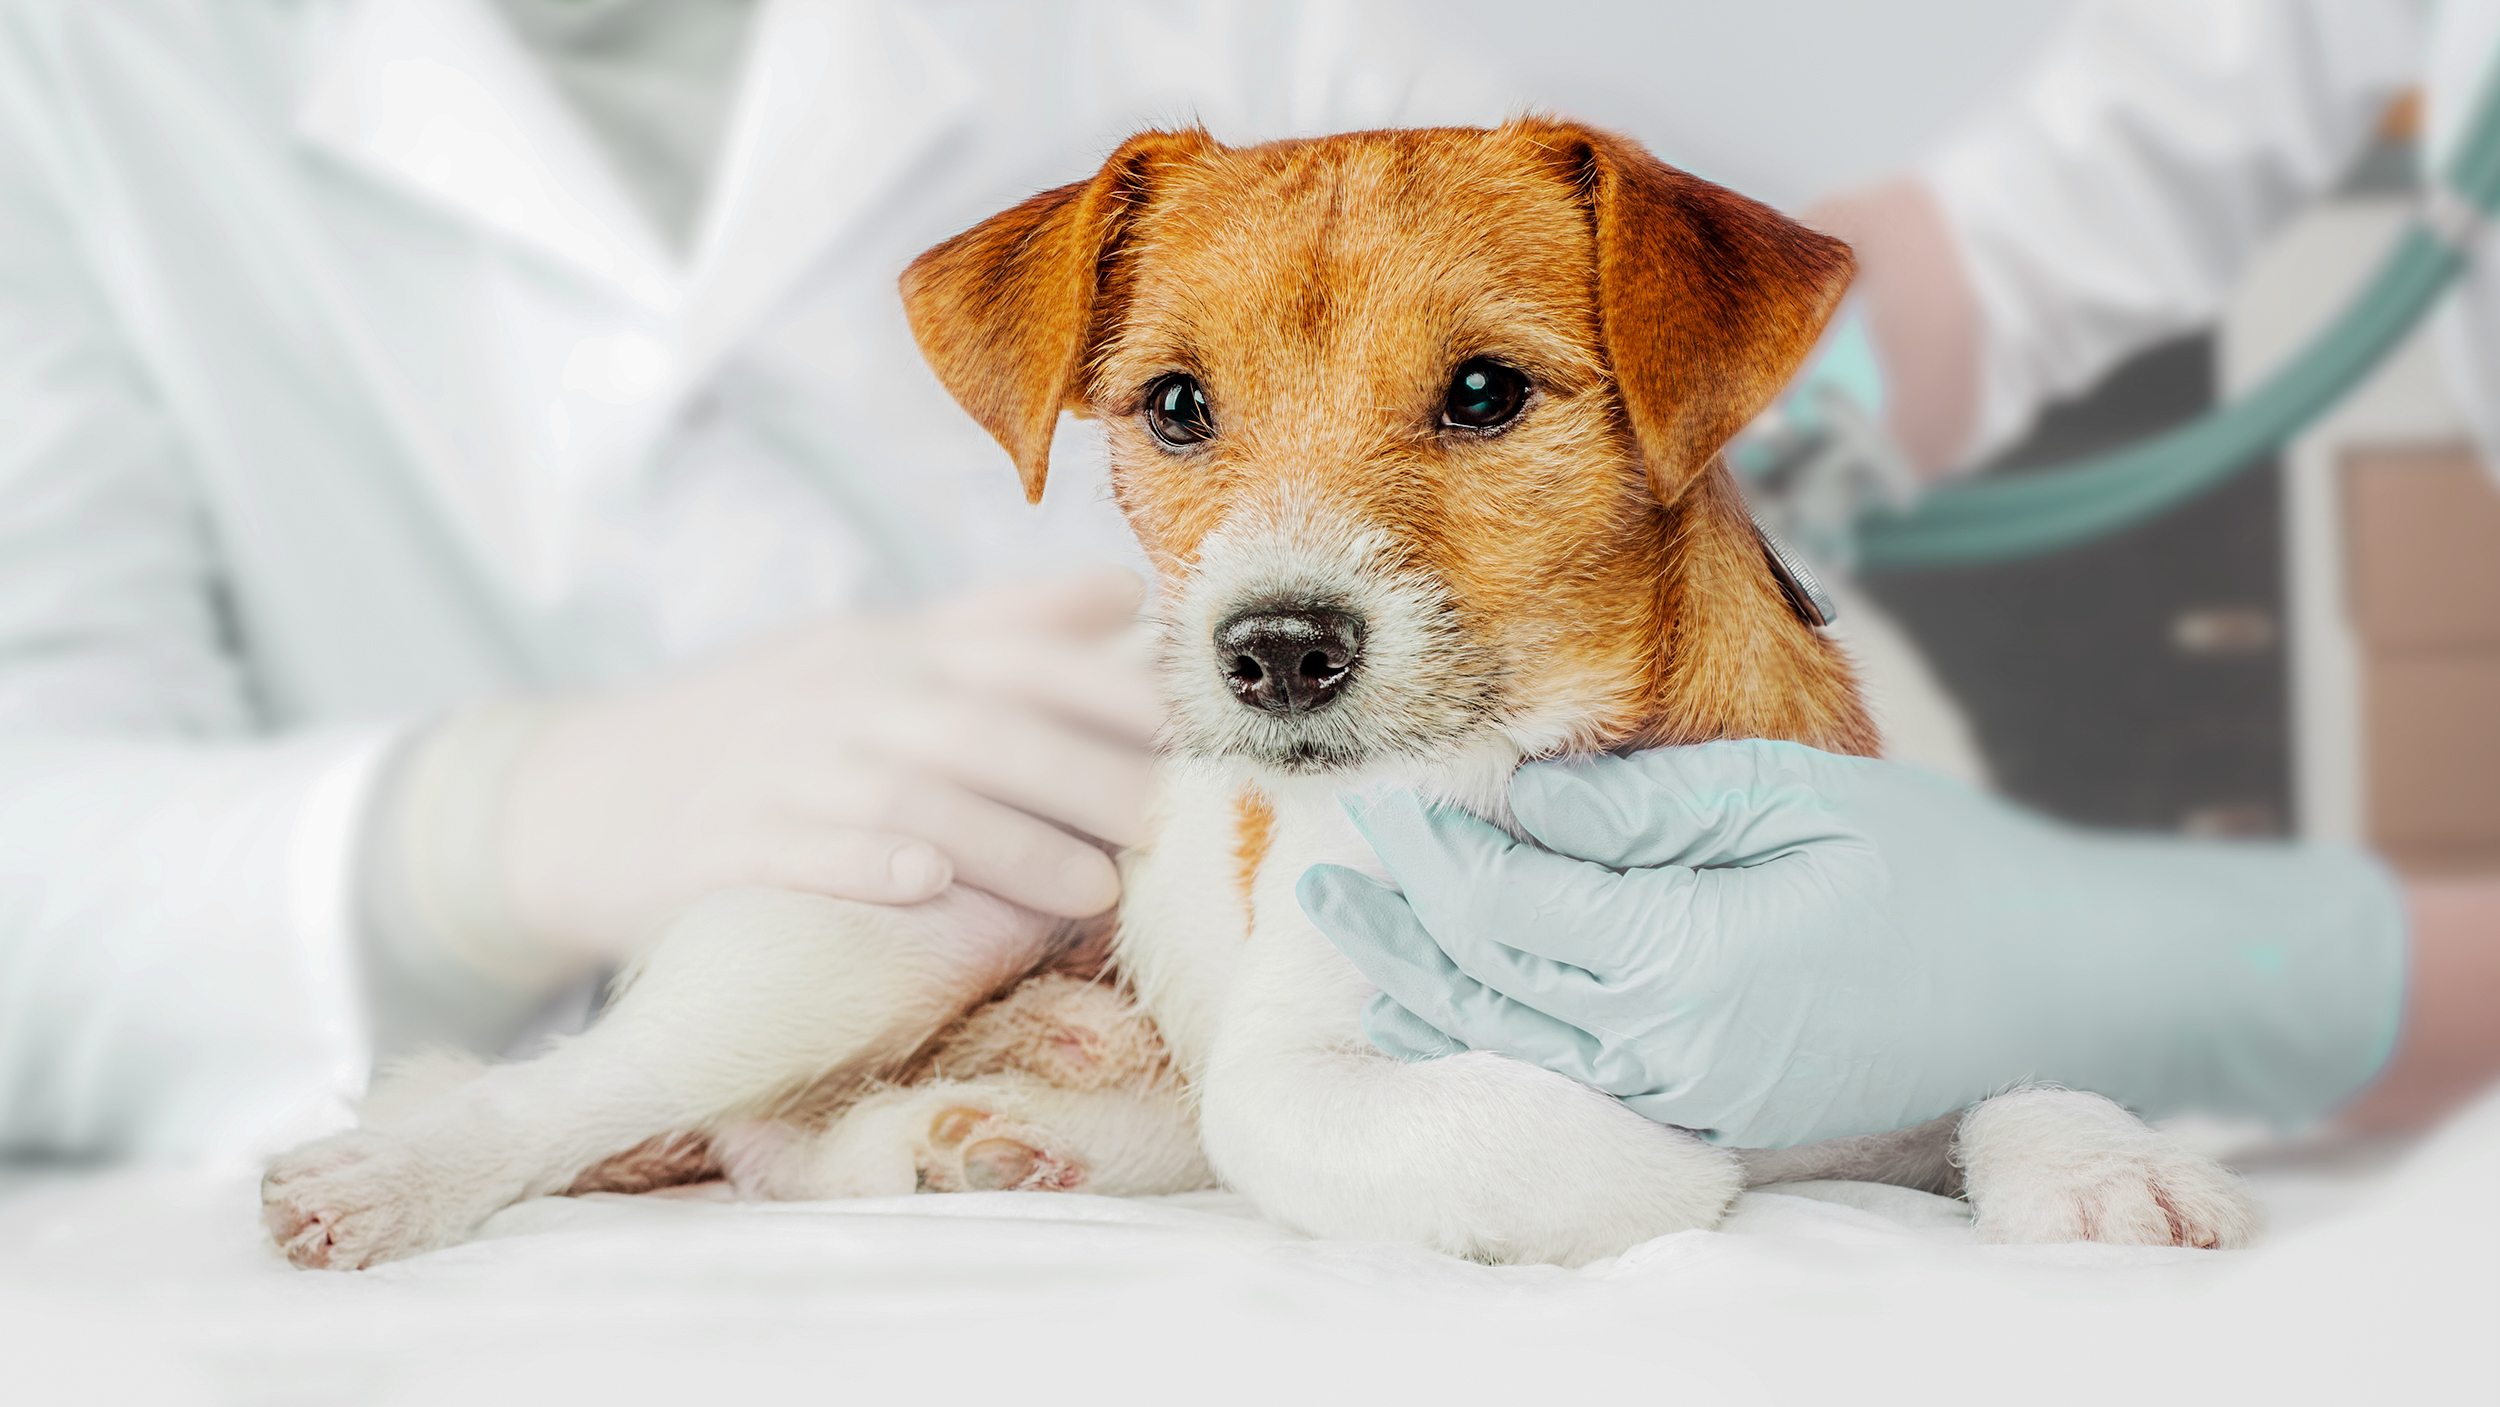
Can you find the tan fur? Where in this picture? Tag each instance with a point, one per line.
(1254, 828)
(670, 1160)
(1323, 291)
(1071, 1033)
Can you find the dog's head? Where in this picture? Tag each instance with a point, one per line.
(1421, 430)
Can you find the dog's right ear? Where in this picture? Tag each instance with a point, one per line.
(1007, 312)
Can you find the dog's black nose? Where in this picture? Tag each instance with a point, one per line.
(1288, 661)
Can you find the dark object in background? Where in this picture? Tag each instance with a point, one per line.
(2138, 681)
(2142, 680)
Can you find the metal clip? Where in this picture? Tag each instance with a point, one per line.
(1806, 596)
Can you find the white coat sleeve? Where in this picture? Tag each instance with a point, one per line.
(2465, 37)
(2112, 198)
(174, 971)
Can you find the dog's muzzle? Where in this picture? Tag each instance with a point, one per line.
(1289, 661)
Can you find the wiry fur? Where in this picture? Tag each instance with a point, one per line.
(1426, 685)
(1584, 578)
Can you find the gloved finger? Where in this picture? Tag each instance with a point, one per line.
(1710, 805)
(1027, 759)
(1669, 1109)
(1096, 601)
(872, 867)
(1105, 685)
(1540, 928)
(1372, 925)
(1402, 1033)
(991, 846)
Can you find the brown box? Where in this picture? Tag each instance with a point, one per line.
(2434, 762)
(2423, 528)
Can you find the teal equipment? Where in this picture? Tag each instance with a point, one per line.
(2000, 518)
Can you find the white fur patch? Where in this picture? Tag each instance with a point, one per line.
(1421, 691)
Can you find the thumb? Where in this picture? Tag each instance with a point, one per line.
(1709, 805)
(1404, 1035)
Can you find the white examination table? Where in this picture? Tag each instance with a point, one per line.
(2380, 1283)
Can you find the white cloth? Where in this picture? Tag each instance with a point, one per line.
(653, 79)
(343, 383)
(2117, 192)
(2374, 1285)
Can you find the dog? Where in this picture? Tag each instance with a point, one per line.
(1421, 432)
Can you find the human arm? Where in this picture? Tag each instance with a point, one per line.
(176, 977)
(1779, 945)
(2450, 1046)
(2107, 202)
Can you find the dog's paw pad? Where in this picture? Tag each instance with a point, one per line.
(997, 1164)
(975, 1151)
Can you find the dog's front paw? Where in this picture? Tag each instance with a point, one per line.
(348, 1201)
(2047, 1166)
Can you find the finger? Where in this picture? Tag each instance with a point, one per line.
(1402, 1034)
(1105, 685)
(989, 846)
(873, 867)
(1095, 601)
(1712, 805)
(1373, 926)
(1541, 928)
(1029, 761)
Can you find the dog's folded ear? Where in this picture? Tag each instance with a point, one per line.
(1707, 300)
(1007, 312)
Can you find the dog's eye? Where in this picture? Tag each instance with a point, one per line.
(1176, 411)
(1484, 395)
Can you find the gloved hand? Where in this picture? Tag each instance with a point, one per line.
(862, 757)
(1774, 945)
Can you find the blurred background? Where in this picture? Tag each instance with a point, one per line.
(2309, 649)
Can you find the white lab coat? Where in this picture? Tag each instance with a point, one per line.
(2123, 184)
(341, 382)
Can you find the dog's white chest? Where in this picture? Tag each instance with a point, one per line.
(1211, 929)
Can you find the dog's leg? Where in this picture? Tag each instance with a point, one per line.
(1475, 1155)
(2045, 1165)
(1919, 1157)
(1061, 1085)
(1011, 1132)
(748, 998)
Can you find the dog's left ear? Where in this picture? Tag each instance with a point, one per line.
(1707, 301)
(1008, 311)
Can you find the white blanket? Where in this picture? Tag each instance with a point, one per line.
(2377, 1284)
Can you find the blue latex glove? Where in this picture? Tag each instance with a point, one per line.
(1774, 945)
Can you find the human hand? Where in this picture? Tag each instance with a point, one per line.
(1775, 945)
(869, 758)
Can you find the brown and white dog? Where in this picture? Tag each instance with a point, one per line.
(1420, 430)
